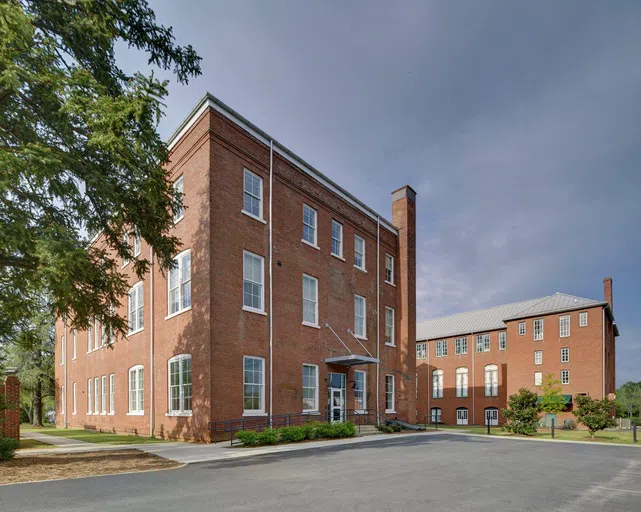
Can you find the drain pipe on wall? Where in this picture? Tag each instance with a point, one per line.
(151, 342)
(64, 395)
(271, 287)
(378, 314)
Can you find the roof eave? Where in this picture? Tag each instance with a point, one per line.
(554, 311)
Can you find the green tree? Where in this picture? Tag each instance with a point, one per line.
(594, 414)
(522, 414)
(80, 154)
(628, 399)
(551, 400)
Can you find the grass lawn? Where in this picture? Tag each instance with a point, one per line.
(32, 443)
(617, 437)
(94, 437)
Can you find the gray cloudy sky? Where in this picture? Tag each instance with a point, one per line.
(518, 123)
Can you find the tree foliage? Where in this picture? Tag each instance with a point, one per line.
(551, 400)
(522, 414)
(80, 154)
(594, 414)
(628, 399)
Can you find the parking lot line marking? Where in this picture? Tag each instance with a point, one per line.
(619, 490)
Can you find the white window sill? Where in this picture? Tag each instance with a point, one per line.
(124, 265)
(390, 344)
(358, 336)
(312, 413)
(74, 358)
(390, 411)
(310, 244)
(111, 414)
(183, 414)
(338, 257)
(73, 413)
(315, 326)
(188, 308)
(361, 269)
(135, 332)
(176, 221)
(252, 216)
(254, 414)
(135, 414)
(253, 310)
(390, 283)
(89, 414)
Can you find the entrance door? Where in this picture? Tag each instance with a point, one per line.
(336, 405)
(461, 416)
(492, 415)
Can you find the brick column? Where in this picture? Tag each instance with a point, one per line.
(10, 427)
(404, 218)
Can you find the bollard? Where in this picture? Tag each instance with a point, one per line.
(552, 428)
(634, 431)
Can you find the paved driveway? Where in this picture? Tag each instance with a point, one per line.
(422, 473)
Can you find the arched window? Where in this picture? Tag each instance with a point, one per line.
(437, 384)
(461, 416)
(491, 380)
(461, 382)
(180, 385)
(136, 390)
(492, 416)
(436, 415)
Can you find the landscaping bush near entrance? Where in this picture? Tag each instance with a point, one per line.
(295, 434)
(8, 447)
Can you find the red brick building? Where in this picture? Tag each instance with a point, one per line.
(468, 364)
(290, 296)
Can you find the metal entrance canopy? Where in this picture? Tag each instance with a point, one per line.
(351, 360)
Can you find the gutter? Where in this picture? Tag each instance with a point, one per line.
(151, 343)
(378, 314)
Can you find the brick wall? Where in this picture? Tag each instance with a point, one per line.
(10, 418)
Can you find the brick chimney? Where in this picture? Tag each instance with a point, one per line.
(404, 218)
(607, 291)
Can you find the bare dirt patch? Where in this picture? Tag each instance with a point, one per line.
(31, 468)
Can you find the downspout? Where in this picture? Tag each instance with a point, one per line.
(473, 348)
(151, 342)
(271, 288)
(378, 313)
(64, 395)
(603, 355)
(429, 379)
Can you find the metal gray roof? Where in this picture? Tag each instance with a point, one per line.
(492, 318)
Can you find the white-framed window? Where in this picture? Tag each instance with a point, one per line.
(565, 355)
(436, 415)
(389, 393)
(564, 326)
(310, 387)
(461, 382)
(437, 384)
(309, 225)
(360, 394)
(491, 380)
(583, 319)
(137, 242)
(98, 334)
(253, 195)
(460, 346)
(179, 284)
(73, 347)
(103, 402)
(75, 397)
(337, 238)
(89, 337)
(359, 316)
(441, 348)
(96, 395)
(253, 282)
(179, 210)
(565, 376)
(502, 340)
(63, 402)
(521, 328)
(112, 394)
(136, 308)
(137, 390)
(538, 357)
(180, 390)
(125, 242)
(310, 300)
(389, 269)
(89, 395)
(253, 385)
(63, 351)
(389, 326)
(359, 252)
(421, 351)
(482, 342)
(538, 378)
(537, 328)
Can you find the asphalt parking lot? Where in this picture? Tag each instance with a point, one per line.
(432, 472)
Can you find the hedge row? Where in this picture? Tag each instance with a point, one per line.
(311, 430)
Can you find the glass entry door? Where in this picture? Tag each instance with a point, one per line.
(336, 388)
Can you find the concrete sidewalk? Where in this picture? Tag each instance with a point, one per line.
(54, 440)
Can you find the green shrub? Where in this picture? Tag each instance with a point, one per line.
(309, 429)
(346, 429)
(247, 437)
(292, 434)
(396, 428)
(594, 414)
(268, 436)
(324, 430)
(8, 447)
(386, 429)
(522, 414)
(569, 425)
